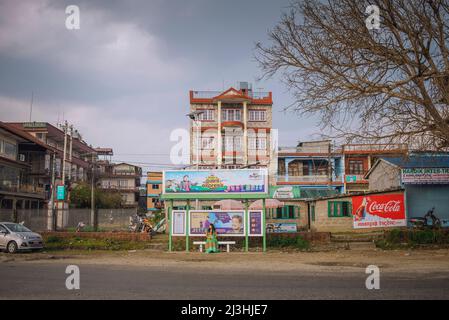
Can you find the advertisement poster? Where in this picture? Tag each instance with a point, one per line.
(242, 181)
(373, 211)
(425, 176)
(178, 223)
(281, 227)
(255, 223)
(228, 223)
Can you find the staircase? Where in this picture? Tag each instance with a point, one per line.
(159, 242)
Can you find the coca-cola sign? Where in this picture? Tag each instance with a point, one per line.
(379, 210)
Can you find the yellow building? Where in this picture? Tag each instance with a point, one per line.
(154, 190)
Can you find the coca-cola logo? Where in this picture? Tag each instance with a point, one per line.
(390, 206)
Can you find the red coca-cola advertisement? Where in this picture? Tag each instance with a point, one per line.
(380, 210)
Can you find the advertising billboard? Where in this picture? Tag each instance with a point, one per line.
(255, 223)
(382, 210)
(227, 223)
(238, 181)
(178, 223)
(281, 227)
(425, 176)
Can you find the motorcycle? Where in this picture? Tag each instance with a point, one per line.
(423, 222)
(140, 224)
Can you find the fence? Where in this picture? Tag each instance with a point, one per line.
(38, 219)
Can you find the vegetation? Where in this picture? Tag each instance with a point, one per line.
(384, 83)
(80, 197)
(56, 243)
(297, 242)
(398, 238)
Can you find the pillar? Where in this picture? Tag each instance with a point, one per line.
(219, 138)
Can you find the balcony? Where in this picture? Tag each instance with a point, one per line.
(119, 188)
(305, 149)
(375, 148)
(355, 178)
(303, 179)
(24, 190)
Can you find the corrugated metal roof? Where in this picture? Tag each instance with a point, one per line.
(296, 192)
(420, 161)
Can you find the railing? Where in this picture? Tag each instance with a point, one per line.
(307, 179)
(212, 94)
(375, 147)
(127, 188)
(312, 149)
(23, 188)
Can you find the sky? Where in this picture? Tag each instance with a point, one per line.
(123, 78)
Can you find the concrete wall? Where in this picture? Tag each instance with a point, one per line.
(421, 198)
(384, 176)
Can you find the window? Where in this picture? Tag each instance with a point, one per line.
(231, 115)
(9, 149)
(41, 136)
(287, 212)
(312, 212)
(339, 209)
(154, 186)
(232, 143)
(257, 143)
(257, 115)
(207, 143)
(356, 167)
(207, 115)
(123, 183)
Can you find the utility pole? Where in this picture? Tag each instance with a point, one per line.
(93, 219)
(52, 196)
(64, 127)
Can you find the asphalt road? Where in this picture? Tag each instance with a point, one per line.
(21, 280)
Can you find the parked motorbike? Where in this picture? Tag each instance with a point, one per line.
(423, 222)
(140, 224)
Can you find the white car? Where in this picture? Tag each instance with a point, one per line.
(16, 237)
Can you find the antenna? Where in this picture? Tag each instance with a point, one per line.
(31, 104)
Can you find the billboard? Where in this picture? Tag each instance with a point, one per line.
(378, 211)
(255, 223)
(239, 181)
(227, 223)
(425, 176)
(178, 223)
(282, 227)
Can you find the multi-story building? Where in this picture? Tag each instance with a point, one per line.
(154, 191)
(24, 160)
(311, 164)
(230, 129)
(358, 159)
(78, 153)
(122, 178)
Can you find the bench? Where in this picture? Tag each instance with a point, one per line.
(220, 243)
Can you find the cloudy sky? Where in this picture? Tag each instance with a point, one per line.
(123, 78)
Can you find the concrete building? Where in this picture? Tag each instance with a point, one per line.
(230, 129)
(154, 191)
(423, 176)
(311, 164)
(24, 164)
(358, 159)
(122, 178)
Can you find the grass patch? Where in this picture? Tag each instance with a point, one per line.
(54, 243)
(399, 238)
(297, 242)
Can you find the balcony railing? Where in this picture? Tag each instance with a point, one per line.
(306, 179)
(23, 188)
(401, 147)
(211, 94)
(124, 188)
(312, 149)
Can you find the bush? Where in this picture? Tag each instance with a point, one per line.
(398, 238)
(297, 242)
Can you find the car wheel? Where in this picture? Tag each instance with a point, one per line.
(12, 247)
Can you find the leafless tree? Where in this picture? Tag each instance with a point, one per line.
(389, 84)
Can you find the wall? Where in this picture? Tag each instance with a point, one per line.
(324, 223)
(421, 198)
(384, 176)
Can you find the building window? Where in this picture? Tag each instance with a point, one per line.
(287, 212)
(356, 167)
(123, 183)
(8, 149)
(257, 115)
(231, 115)
(207, 143)
(232, 143)
(339, 209)
(154, 186)
(257, 143)
(207, 115)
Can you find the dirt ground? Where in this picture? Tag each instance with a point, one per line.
(413, 261)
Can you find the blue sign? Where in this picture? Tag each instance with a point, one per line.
(60, 193)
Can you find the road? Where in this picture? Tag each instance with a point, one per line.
(46, 280)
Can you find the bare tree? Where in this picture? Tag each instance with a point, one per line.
(389, 84)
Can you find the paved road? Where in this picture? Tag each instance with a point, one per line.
(21, 280)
